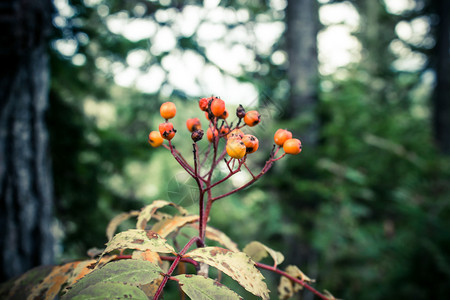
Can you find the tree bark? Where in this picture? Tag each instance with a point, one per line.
(441, 64)
(302, 28)
(25, 174)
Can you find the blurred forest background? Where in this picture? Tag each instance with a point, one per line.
(365, 84)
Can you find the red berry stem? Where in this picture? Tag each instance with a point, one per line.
(232, 172)
(267, 166)
(204, 219)
(179, 160)
(248, 169)
(197, 178)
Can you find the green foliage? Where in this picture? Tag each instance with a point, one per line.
(372, 200)
(203, 288)
(119, 278)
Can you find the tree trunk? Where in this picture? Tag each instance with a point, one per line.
(25, 174)
(302, 29)
(441, 65)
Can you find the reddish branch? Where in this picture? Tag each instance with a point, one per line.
(299, 281)
(174, 265)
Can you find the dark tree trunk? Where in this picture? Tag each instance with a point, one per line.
(301, 37)
(25, 176)
(441, 64)
(302, 29)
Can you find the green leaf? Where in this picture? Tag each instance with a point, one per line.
(130, 272)
(203, 288)
(110, 290)
(139, 240)
(258, 251)
(146, 213)
(237, 265)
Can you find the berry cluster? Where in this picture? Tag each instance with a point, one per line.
(238, 144)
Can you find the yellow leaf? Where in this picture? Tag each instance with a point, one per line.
(258, 251)
(166, 226)
(117, 220)
(285, 288)
(294, 271)
(237, 265)
(146, 213)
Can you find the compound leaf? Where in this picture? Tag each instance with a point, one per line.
(237, 265)
(203, 288)
(139, 240)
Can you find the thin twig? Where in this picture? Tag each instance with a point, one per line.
(299, 281)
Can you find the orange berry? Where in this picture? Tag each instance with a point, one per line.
(292, 146)
(210, 135)
(225, 114)
(166, 130)
(224, 130)
(217, 107)
(168, 110)
(252, 118)
(203, 103)
(251, 143)
(208, 116)
(236, 133)
(155, 139)
(236, 148)
(281, 135)
(193, 124)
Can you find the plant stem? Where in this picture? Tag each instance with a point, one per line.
(186, 260)
(299, 281)
(200, 190)
(174, 265)
(226, 177)
(177, 156)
